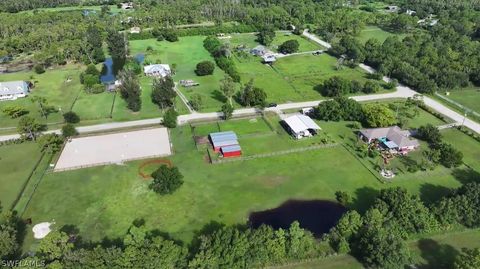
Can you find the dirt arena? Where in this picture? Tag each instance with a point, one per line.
(114, 148)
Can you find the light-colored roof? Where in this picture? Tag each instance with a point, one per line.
(269, 58)
(162, 69)
(13, 87)
(222, 139)
(231, 148)
(394, 133)
(300, 123)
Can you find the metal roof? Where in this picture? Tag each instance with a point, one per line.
(394, 133)
(300, 123)
(224, 139)
(13, 87)
(232, 148)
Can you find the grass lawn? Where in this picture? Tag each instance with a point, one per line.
(377, 33)
(249, 40)
(467, 145)
(16, 164)
(185, 54)
(102, 104)
(103, 201)
(53, 86)
(468, 97)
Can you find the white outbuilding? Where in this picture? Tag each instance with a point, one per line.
(301, 126)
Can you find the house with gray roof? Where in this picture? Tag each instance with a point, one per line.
(259, 50)
(157, 70)
(11, 90)
(392, 138)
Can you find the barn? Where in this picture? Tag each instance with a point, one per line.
(225, 143)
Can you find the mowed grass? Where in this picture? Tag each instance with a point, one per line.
(16, 164)
(249, 40)
(52, 85)
(468, 97)
(184, 54)
(467, 145)
(103, 201)
(376, 33)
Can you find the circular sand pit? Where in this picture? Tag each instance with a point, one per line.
(41, 230)
(145, 169)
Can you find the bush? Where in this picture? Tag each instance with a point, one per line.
(69, 130)
(71, 117)
(166, 180)
(205, 68)
(170, 118)
(370, 87)
(39, 69)
(289, 46)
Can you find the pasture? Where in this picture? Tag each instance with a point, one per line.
(468, 97)
(103, 201)
(376, 33)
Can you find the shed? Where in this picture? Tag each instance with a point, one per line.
(223, 139)
(231, 151)
(301, 126)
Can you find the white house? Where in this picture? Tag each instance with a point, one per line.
(127, 5)
(12, 90)
(301, 126)
(269, 58)
(410, 12)
(135, 30)
(157, 70)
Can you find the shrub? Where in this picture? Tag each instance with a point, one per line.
(205, 68)
(371, 87)
(166, 180)
(170, 118)
(69, 130)
(39, 69)
(289, 46)
(71, 117)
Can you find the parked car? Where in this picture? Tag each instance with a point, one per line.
(318, 52)
(272, 105)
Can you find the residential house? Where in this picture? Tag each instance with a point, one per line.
(157, 70)
(392, 138)
(12, 90)
(127, 5)
(269, 58)
(258, 50)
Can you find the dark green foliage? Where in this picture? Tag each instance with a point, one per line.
(95, 42)
(227, 110)
(218, 51)
(371, 87)
(165, 34)
(8, 235)
(343, 198)
(449, 156)
(50, 143)
(134, 66)
(378, 115)
(335, 86)
(205, 68)
(166, 180)
(340, 108)
(468, 259)
(130, 89)
(289, 46)
(14, 111)
(429, 133)
(170, 118)
(29, 128)
(163, 92)
(349, 48)
(253, 96)
(69, 130)
(196, 101)
(116, 45)
(39, 69)
(266, 36)
(341, 235)
(462, 207)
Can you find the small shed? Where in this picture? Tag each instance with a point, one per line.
(258, 50)
(223, 139)
(301, 126)
(231, 151)
(269, 58)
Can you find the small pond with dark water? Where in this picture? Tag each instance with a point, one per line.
(110, 68)
(317, 216)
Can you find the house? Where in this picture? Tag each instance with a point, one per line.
(301, 126)
(392, 8)
(135, 30)
(157, 70)
(410, 12)
(127, 5)
(258, 50)
(392, 138)
(226, 143)
(12, 90)
(269, 58)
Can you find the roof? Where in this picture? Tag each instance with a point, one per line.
(299, 123)
(222, 139)
(394, 133)
(162, 69)
(13, 87)
(232, 148)
(269, 58)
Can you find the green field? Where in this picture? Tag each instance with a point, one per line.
(468, 97)
(16, 164)
(376, 33)
(113, 9)
(103, 201)
(466, 144)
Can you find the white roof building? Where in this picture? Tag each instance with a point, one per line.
(12, 90)
(301, 126)
(269, 58)
(157, 70)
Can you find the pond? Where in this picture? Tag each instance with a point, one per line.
(110, 68)
(317, 216)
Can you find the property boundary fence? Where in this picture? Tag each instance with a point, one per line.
(276, 153)
(466, 109)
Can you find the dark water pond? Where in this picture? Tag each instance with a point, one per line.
(317, 216)
(111, 67)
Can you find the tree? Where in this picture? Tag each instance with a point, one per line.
(170, 118)
(342, 234)
(29, 128)
(205, 68)
(54, 246)
(335, 86)
(342, 197)
(266, 36)
(429, 133)
(289, 46)
(468, 259)
(163, 92)
(227, 110)
(196, 101)
(39, 69)
(8, 235)
(166, 180)
(50, 143)
(71, 117)
(253, 96)
(44, 108)
(378, 115)
(370, 87)
(449, 156)
(228, 88)
(15, 111)
(130, 89)
(69, 130)
(94, 41)
(116, 42)
(329, 110)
